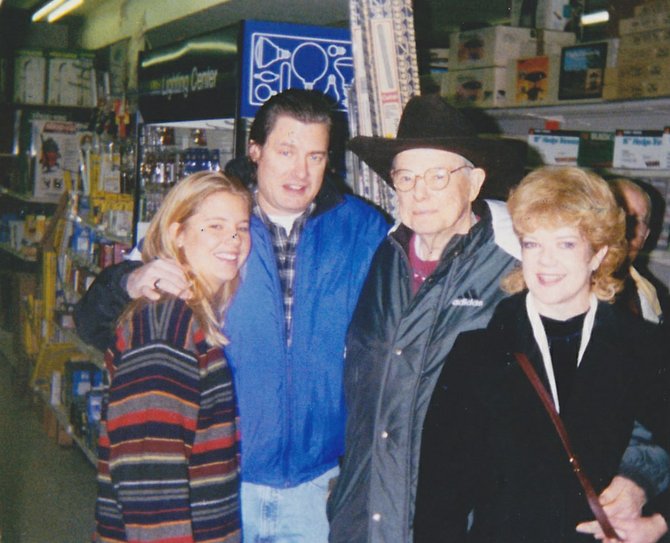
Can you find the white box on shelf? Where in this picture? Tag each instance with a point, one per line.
(16, 234)
(639, 149)
(438, 60)
(71, 79)
(550, 42)
(483, 87)
(549, 14)
(56, 383)
(555, 147)
(490, 46)
(29, 77)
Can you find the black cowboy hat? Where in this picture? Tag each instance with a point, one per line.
(429, 122)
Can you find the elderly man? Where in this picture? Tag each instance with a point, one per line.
(436, 275)
(311, 249)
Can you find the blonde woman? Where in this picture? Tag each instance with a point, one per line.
(168, 454)
(489, 445)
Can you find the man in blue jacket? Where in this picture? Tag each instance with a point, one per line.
(311, 249)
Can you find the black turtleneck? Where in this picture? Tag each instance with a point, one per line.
(564, 338)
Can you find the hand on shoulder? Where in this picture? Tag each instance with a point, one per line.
(158, 276)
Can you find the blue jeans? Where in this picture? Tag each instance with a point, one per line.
(286, 515)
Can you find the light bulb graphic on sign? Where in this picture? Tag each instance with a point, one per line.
(309, 62)
(267, 53)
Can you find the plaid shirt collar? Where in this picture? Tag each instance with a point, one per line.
(285, 246)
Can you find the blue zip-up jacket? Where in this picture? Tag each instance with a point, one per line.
(290, 398)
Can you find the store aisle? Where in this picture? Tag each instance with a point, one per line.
(47, 492)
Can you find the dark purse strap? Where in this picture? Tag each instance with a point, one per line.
(591, 495)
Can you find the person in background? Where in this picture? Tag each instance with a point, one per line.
(436, 275)
(489, 446)
(312, 247)
(168, 448)
(640, 297)
(639, 294)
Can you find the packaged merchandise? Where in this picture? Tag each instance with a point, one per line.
(639, 149)
(582, 71)
(490, 46)
(553, 147)
(534, 80)
(483, 87)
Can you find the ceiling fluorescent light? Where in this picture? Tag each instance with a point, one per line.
(46, 9)
(66, 8)
(597, 17)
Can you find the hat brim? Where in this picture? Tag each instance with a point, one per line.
(485, 153)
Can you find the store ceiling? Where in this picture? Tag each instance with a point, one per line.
(434, 18)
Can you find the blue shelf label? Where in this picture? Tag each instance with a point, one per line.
(279, 56)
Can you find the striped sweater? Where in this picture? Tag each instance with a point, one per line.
(168, 448)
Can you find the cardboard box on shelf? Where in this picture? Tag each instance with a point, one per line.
(643, 77)
(553, 147)
(652, 7)
(483, 87)
(549, 14)
(71, 79)
(611, 87)
(490, 46)
(559, 14)
(639, 149)
(613, 48)
(582, 71)
(642, 23)
(652, 87)
(596, 149)
(649, 53)
(551, 42)
(643, 69)
(80, 377)
(30, 68)
(649, 38)
(534, 80)
(57, 151)
(438, 60)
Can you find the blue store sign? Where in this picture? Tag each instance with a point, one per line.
(279, 56)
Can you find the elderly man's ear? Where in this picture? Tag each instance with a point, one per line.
(477, 177)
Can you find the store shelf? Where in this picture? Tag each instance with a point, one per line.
(102, 232)
(64, 422)
(28, 198)
(643, 114)
(644, 174)
(94, 355)
(82, 262)
(6, 248)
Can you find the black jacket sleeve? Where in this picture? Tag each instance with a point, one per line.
(95, 315)
(452, 465)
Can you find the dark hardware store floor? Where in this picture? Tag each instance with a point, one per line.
(47, 492)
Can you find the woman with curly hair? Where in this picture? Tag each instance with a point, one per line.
(489, 445)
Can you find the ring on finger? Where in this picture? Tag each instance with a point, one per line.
(156, 287)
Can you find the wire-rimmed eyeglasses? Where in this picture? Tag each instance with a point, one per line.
(435, 178)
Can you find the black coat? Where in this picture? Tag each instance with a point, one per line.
(489, 446)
